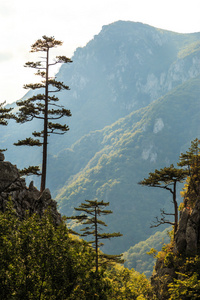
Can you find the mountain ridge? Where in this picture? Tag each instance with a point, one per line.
(113, 172)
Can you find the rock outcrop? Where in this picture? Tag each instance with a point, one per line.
(187, 239)
(25, 199)
(186, 244)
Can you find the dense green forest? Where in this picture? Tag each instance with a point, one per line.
(42, 261)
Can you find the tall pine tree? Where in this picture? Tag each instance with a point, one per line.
(92, 209)
(44, 105)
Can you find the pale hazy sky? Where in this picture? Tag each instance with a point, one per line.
(75, 22)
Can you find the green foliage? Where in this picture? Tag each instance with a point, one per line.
(186, 285)
(39, 260)
(153, 252)
(129, 284)
(42, 261)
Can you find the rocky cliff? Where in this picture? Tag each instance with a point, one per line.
(25, 199)
(187, 240)
(184, 256)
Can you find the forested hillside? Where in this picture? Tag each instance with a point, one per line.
(124, 154)
(134, 98)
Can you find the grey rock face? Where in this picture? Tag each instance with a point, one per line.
(8, 175)
(160, 280)
(187, 242)
(181, 233)
(2, 157)
(186, 239)
(25, 199)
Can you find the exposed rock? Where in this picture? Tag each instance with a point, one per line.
(8, 175)
(161, 278)
(25, 199)
(187, 236)
(187, 244)
(2, 157)
(180, 244)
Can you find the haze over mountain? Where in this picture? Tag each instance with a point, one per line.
(135, 107)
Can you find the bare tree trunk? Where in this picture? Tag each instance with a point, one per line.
(96, 240)
(44, 158)
(175, 209)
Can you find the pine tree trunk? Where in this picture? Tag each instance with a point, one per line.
(44, 158)
(96, 240)
(175, 209)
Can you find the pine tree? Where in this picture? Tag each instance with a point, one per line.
(43, 106)
(92, 209)
(166, 178)
(4, 116)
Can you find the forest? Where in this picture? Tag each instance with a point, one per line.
(41, 259)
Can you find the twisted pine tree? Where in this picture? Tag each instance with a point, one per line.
(43, 106)
(166, 178)
(92, 209)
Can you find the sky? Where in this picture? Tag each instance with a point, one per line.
(74, 22)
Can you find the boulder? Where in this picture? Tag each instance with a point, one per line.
(25, 199)
(187, 244)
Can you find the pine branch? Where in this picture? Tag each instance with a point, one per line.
(31, 170)
(35, 65)
(34, 86)
(56, 126)
(59, 112)
(58, 85)
(63, 59)
(28, 142)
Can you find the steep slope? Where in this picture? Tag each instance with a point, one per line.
(137, 258)
(116, 158)
(123, 68)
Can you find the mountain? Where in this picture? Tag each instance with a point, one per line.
(123, 68)
(124, 153)
(134, 98)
